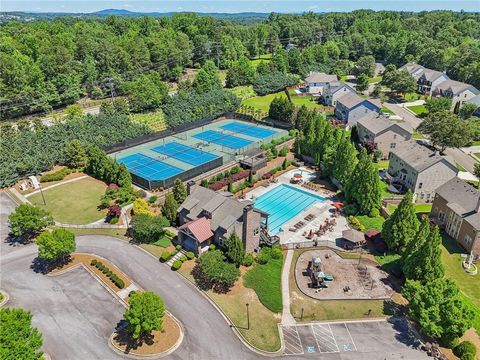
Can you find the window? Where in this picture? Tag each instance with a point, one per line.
(420, 185)
(393, 145)
(256, 231)
(467, 240)
(395, 136)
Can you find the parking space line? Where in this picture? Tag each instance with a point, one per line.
(333, 337)
(327, 342)
(293, 343)
(353, 342)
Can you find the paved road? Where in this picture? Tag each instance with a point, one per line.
(76, 315)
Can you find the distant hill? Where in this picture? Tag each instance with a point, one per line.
(28, 16)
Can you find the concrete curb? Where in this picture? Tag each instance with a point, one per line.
(6, 297)
(119, 351)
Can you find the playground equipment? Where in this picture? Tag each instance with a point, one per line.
(317, 276)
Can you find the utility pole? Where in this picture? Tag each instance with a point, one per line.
(110, 83)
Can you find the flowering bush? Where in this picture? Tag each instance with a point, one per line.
(217, 185)
(114, 211)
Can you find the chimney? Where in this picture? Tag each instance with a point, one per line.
(191, 185)
(477, 209)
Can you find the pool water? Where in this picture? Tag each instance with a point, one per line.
(284, 203)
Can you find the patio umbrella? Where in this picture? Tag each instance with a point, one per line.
(338, 205)
(297, 176)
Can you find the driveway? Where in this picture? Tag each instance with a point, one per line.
(407, 116)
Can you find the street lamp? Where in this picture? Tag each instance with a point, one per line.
(248, 317)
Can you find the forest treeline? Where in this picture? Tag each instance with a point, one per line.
(46, 64)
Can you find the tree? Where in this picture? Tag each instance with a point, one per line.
(234, 249)
(140, 206)
(18, 339)
(217, 273)
(446, 130)
(399, 81)
(438, 307)
(56, 246)
(362, 82)
(73, 111)
(364, 187)
(76, 157)
(438, 104)
(146, 92)
(476, 171)
(402, 226)
(422, 260)
(170, 208)
(207, 78)
(366, 66)
(147, 228)
(345, 161)
(240, 73)
(179, 191)
(28, 220)
(281, 109)
(467, 110)
(144, 314)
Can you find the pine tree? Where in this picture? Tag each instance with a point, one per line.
(425, 264)
(179, 191)
(345, 161)
(234, 249)
(400, 228)
(364, 188)
(411, 259)
(170, 208)
(76, 158)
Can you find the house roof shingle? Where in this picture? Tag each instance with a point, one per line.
(376, 123)
(413, 69)
(431, 75)
(200, 228)
(463, 199)
(320, 77)
(417, 156)
(455, 86)
(350, 100)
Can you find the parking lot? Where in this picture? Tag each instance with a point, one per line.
(383, 338)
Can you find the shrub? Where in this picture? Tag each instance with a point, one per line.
(374, 213)
(190, 255)
(165, 256)
(248, 260)
(263, 256)
(465, 350)
(178, 247)
(93, 262)
(114, 220)
(152, 199)
(119, 283)
(114, 211)
(131, 293)
(276, 252)
(350, 209)
(212, 247)
(356, 223)
(177, 264)
(169, 234)
(56, 176)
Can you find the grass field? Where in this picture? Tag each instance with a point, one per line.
(417, 135)
(73, 203)
(374, 79)
(386, 110)
(305, 100)
(384, 190)
(389, 262)
(266, 280)
(118, 233)
(154, 120)
(477, 155)
(262, 102)
(418, 109)
(371, 223)
(452, 261)
(382, 164)
(261, 58)
(419, 208)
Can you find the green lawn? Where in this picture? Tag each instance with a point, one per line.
(73, 203)
(418, 109)
(305, 100)
(418, 136)
(374, 79)
(419, 208)
(460, 167)
(382, 164)
(163, 242)
(371, 223)
(390, 262)
(384, 190)
(475, 143)
(155, 120)
(386, 110)
(412, 97)
(262, 102)
(261, 58)
(266, 280)
(118, 233)
(477, 155)
(452, 261)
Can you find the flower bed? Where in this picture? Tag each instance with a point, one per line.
(231, 179)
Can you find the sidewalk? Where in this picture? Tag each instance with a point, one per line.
(287, 318)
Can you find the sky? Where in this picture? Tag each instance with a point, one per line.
(234, 6)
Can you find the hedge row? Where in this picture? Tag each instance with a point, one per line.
(112, 276)
(56, 176)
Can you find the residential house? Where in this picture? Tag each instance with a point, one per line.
(209, 217)
(386, 134)
(429, 80)
(351, 107)
(419, 169)
(456, 208)
(476, 101)
(458, 91)
(334, 91)
(379, 69)
(315, 82)
(413, 69)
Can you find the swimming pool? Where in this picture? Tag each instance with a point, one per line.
(284, 203)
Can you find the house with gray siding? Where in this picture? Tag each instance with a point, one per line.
(207, 216)
(429, 80)
(334, 91)
(351, 107)
(315, 82)
(419, 169)
(458, 91)
(475, 101)
(413, 69)
(386, 134)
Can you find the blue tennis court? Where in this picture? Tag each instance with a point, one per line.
(248, 129)
(184, 153)
(149, 168)
(219, 138)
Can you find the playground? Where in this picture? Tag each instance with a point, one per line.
(324, 275)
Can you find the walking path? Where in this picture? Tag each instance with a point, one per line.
(55, 185)
(176, 257)
(287, 318)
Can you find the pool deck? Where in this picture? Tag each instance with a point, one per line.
(320, 210)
